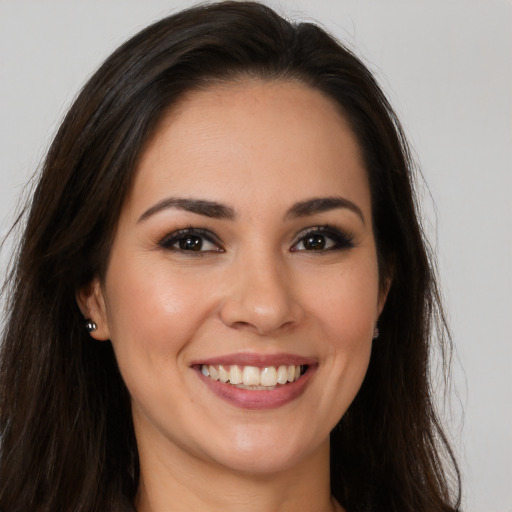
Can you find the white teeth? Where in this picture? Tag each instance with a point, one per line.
(235, 375)
(252, 377)
(223, 374)
(282, 375)
(268, 376)
(214, 374)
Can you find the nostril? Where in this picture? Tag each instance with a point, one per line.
(241, 325)
(259, 313)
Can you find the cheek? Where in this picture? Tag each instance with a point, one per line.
(153, 315)
(347, 311)
(346, 302)
(152, 311)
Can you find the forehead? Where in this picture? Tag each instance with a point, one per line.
(265, 136)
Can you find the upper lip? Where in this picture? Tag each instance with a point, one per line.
(258, 360)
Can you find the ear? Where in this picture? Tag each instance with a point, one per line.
(91, 302)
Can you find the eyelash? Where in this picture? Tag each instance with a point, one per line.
(340, 240)
(169, 241)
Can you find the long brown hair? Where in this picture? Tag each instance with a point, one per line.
(67, 441)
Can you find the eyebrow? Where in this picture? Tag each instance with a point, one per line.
(322, 204)
(220, 211)
(199, 206)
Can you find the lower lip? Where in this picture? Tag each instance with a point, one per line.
(259, 399)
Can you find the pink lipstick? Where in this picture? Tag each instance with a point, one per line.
(257, 381)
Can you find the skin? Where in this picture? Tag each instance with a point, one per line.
(258, 148)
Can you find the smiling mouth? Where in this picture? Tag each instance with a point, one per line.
(253, 377)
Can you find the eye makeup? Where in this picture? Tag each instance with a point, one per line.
(195, 240)
(323, 238)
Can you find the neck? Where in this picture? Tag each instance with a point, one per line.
(180, 482)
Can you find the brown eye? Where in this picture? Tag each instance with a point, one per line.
(322, 239)
(314, 242)
(192, 241)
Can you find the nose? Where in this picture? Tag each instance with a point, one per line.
(262, 297)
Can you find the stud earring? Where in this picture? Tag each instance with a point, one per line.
(90, 326)
(375, 332)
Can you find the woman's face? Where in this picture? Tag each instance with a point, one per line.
(244, 258)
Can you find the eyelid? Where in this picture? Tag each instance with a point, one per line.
(171, 238)
(343, 238)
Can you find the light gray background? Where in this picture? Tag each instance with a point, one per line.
(447, 67)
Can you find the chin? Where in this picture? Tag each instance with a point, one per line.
(263, 452)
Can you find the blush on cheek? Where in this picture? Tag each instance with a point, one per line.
(354, 324)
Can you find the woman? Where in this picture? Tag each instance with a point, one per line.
(222, 220)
